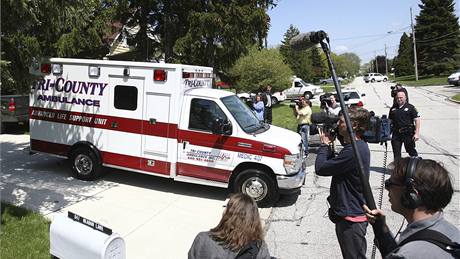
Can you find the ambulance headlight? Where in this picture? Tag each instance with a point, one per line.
(292, 163)
(57, 69)
(94, 71)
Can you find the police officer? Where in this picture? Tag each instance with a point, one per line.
(405, 125)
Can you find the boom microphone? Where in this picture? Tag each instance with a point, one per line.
(307, 40)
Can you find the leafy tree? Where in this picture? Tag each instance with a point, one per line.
(403, 62)
(351, 64)
(317, 65)
(219, 32)
(437, 33)
(298, 60)
(38, 28)
(259, 68)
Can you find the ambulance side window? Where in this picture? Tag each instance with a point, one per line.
(203, 113)
(125, 97)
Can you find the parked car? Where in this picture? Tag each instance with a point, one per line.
(329, 80)
(375, 77)
(454, 79)
(301, 88)
(278, 97)
(352, 97)
(15, 110)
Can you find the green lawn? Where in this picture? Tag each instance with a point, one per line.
(456, 97)
(422, 80)
(284, 117)
(24, 234)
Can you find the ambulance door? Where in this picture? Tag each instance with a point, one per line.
(156, 133)
(202, 154)
(123, 138)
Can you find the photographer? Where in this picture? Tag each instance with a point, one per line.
(405, 125)
(302, 111)
(332, 106)
(346, 195)
(418, 189)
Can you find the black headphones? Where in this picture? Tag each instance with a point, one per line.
(410, 199)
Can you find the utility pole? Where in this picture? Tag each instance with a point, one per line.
(415, 48)
(386, 61)
(376, 63)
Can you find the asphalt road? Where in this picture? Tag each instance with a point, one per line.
(298, 227)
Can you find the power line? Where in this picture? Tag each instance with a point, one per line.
(373, 35)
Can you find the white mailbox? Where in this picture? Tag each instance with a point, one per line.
(77, 237)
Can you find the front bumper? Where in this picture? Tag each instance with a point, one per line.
(453, 81)
(291, 182)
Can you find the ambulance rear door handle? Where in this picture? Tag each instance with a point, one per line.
(184, 144)
(152, 121)
(114, 124)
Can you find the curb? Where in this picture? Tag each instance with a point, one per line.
(452, 100)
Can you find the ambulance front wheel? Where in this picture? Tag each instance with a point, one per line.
(85, 164)
(257, 184)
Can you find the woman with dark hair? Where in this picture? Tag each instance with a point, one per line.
(238, 234)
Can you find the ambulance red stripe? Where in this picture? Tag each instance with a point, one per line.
(159, 129)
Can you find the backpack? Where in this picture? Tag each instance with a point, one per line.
(379, 130)
(436, 238)
(249, 251)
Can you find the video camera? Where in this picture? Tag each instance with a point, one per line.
(395, 89)
(325, 100)
(327, 121)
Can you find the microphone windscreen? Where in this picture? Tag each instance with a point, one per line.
(302, 41)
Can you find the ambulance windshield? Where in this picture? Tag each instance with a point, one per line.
(243, 115)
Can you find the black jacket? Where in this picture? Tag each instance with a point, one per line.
(346, 195)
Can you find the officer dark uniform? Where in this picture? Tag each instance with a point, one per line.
(403, 127)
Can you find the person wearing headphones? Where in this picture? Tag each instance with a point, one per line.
(418, 189)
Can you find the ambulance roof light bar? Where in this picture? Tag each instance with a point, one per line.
(45, 68)
(159, 75)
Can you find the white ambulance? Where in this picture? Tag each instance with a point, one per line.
(159, 119)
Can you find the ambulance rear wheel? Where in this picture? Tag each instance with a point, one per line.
(85, 164)
(257, 184)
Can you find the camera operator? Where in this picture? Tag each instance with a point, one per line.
(346, 197)
(418, 189)
(333, 107)
(302, 111)
(405, 125)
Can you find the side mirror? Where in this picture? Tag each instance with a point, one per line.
(363, 95)
(221, 127)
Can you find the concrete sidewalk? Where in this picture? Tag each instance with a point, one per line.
(157, 217)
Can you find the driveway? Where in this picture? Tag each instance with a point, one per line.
(157, 217)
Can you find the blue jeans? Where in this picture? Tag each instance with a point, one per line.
(304, 131)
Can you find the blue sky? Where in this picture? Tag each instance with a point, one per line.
(358, 26)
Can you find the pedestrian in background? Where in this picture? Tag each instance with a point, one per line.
(268, 104)
(405, 122)
(418, 189)
(258, 106)
(346, 197)
(302, 111)
(239, 233)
